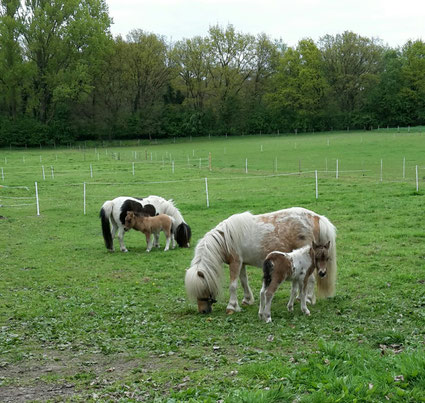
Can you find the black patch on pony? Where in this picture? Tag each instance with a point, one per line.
(106, 230)
(267, 272)
(150, 210)
(183, 234)
(132, 205)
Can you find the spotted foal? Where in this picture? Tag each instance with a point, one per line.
(296, 266)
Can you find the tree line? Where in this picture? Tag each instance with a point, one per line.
(64, 77)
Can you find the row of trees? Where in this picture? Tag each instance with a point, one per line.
(63, 77)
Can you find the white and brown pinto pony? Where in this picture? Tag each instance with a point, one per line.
(113, 213)
(152, 225)
(296, 266)
(246, 239)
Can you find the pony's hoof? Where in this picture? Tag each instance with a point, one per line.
(124, 250)
(269, 320)
(307, 312)
(230, 311)
(248, 302)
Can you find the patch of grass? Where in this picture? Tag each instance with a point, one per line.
(115, 326)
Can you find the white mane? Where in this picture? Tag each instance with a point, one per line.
(212, 250)
(165, 207)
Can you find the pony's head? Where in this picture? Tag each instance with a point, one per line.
(200, 285)
(320, 257)
(130, 220)
(183, 235)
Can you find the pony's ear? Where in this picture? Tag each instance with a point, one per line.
(200, 274)
(327, 245)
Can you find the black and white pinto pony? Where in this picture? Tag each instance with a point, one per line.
(246, 239)
(113, 213)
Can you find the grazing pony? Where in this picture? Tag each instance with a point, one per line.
(246, 239)
(297, 266)
(151, 225)
(113, 213)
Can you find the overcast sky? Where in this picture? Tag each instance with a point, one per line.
(393, 21)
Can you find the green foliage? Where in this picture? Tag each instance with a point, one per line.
(60, 68)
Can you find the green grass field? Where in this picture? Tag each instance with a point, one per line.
(81, 324)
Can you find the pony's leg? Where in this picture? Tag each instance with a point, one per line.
(294, 291)
(269, 294)
(114, 228)
(303, 295)
(262, 302)
(121, 239)
(167, 242)
(248, 298)
(173, 241)
(156, 239)
(148, 242)
(233, 305)
(311, 296)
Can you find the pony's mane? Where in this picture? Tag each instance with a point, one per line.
(173, 211)
(212, 250)
(168, 207)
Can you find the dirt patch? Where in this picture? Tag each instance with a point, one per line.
(55, 375)
(41, 391)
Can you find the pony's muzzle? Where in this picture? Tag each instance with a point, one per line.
(205, 305)
(206, 310)
(322, 274)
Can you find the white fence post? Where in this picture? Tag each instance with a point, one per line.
(381, 169)
(172, 166)
(404, 167)
(91, 171)
(337, 169)
(2, 174)
(317, 189)
(133, 168)
(84, 197)
(206, 190)
(36, 199)
(246, 165)
(417, 179)
(44, 175)
(53, 174)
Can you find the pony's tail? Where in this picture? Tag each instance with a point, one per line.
(202, 283)
(268, 267)
(326, 285)
(105, 213)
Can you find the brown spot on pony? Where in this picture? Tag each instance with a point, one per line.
(151, 225)
(297, 266)
(246, 239)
